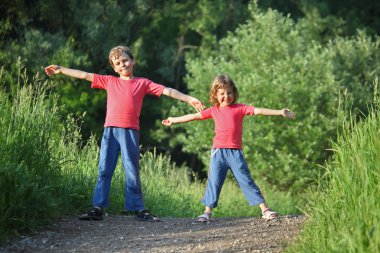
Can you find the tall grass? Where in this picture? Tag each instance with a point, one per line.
(345, 210)
(38, 181)
(26, 172)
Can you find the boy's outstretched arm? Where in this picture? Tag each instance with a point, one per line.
(270, 112)
(56, 69)
(186, 118)
(186, 98)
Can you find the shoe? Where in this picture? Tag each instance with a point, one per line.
(268, 214)
(204, 218)
(94, 214)
(146, 215)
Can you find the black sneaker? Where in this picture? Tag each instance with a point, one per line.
(93, 214)
(145, 215)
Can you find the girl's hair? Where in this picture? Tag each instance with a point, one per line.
(223, 82)
(117, 51)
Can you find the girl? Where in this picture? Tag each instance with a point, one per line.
(226, 152)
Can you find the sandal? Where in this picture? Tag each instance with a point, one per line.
(268, 214)
(203, 218)
(146, 215)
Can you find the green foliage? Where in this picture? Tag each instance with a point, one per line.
(277, 63)
(167, 187)
(39, 174)
(344, 212)
(356, 14)
(27, 123)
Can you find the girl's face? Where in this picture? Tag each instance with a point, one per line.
(225, 97)
(124, 66)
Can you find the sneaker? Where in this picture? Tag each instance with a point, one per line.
(146, 215)
(94, 214)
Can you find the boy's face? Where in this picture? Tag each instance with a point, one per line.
(123, 66)
(225, 97)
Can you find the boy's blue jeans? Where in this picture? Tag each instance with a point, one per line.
(222, 160)
(125, 141)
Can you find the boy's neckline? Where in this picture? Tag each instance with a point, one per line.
(130, 78)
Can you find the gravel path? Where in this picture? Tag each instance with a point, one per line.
(118, 233)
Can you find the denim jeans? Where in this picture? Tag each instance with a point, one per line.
(223, 159)
(125, 141)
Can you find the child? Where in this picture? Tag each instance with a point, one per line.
(226, 151)
(121, 133)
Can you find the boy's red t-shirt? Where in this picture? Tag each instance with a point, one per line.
(228, 122)
(124, 98)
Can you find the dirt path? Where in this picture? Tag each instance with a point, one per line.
(124, 234)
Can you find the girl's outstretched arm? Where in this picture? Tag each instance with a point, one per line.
(186, 118)
(270, 112)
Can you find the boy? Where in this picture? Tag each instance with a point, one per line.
(121, 133)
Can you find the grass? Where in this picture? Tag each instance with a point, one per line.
(39, 160)
(344, 213)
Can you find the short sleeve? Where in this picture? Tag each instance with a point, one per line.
(100, 82)
(248, 110)
(206, 114)
(153, 88)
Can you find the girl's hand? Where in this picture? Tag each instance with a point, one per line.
(168, 121)
(288, 114)
(52, 70)
(196, 104)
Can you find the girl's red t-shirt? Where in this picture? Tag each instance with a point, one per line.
(228, 122)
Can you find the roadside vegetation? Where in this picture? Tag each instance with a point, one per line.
(343, 213)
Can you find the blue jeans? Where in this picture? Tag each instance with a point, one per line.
(125, 141)
(223, 159)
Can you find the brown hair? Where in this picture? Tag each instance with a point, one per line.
(117, 51)
(223, 82)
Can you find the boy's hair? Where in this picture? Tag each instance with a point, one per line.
(117, 51)
(223, 82)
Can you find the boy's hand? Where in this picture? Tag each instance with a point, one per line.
(168, 121)
(52, 70)
(288, 114)
(196, 104)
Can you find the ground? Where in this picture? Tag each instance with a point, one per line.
(117, 233)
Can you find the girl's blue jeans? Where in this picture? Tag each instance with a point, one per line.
(223, 159)
(125, 141)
